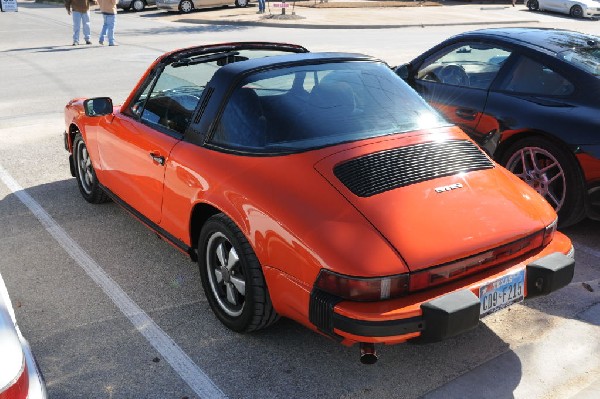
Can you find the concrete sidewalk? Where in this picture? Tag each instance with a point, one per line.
(363, 15)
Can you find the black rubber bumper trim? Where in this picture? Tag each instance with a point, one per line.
(549, 273)
(388, 328)
(443, 317)
(322, 315)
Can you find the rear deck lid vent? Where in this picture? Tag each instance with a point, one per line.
(390, 169)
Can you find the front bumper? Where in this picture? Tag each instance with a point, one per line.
(434, 319)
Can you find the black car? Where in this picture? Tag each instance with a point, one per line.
(531, 98)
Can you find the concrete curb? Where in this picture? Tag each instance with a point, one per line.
(332, 26)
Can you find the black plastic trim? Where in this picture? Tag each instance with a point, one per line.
(388, 328)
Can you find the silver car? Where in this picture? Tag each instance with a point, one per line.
(575, 8)
(186, 6)
(135, 5)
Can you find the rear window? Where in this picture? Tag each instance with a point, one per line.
(587, 59)
(309, 106)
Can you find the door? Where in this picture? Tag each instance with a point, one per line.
(456, 81)
(134, 156)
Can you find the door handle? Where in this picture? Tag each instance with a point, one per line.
(467, 114)
(157, 158)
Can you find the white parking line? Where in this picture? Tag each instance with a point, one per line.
(198, 381)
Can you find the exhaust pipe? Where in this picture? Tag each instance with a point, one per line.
(368, 355)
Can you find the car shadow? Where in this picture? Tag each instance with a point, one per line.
(573, 301)
(288, 359)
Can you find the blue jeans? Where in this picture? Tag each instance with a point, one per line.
(261, 5)
(108, 29)
(78, 19)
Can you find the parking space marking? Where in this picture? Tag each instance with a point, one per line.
(197, 380)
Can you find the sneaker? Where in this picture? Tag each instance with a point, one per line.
(101, 43)
(112, 44)
(75, 43)
(88, 42)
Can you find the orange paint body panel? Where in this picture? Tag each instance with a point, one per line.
(306, 225)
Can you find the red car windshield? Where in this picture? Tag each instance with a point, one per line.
(298, 108)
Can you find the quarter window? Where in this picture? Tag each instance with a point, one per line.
(531, 77)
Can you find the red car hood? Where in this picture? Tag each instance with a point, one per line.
(435, 220)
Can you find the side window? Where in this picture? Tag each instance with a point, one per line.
(170, 100)
(531, 77)
(473, 65)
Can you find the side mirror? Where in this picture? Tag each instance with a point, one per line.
(98, 106)
(402, 71)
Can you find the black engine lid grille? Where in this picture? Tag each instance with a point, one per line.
(386, 170)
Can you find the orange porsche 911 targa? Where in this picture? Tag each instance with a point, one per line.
(318, 187)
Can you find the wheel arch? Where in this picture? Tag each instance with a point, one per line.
(506, 144)
(200, 214)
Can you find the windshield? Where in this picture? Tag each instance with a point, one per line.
(586, 58)
(298, 108)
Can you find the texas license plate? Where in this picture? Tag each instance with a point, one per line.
(501, 293)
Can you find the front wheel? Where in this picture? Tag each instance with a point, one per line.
(533, 5)
(84, 173)
(576, 12)
(186, 6)
(241, 3)
(232, 278)
(552, 172)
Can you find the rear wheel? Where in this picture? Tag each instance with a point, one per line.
(241, 3)
(552, 172)
(138, 5)
(232, 277)
(576, 11)
(533, 5)
(186, 6)
(85, 174)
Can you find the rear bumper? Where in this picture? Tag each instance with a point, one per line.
(438, 318)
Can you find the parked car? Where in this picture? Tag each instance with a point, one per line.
(135, 5)
(186, 6)
(575, 8)
(318, 187)
(20, 377)
(529, 97)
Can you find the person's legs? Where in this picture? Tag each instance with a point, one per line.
(85, 18)
(110, 21)
(76, 26)
(104, 29)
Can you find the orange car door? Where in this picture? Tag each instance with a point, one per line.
(133, 156)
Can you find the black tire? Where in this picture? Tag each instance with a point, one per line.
(241, 3)
(138, 5)
(221, 241)
(85, 174)
(556, 175)
(186, 6)
(533, 5)
(576, 11)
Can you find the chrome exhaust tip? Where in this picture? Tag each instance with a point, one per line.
(368, 355)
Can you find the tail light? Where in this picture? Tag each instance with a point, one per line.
(379, 288)
(549, 232)
(362, 289)
(19, 387)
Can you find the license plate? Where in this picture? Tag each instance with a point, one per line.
(501, 293)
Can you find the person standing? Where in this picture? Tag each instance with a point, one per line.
(261, 7)
(80, 10)
(109, 13)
